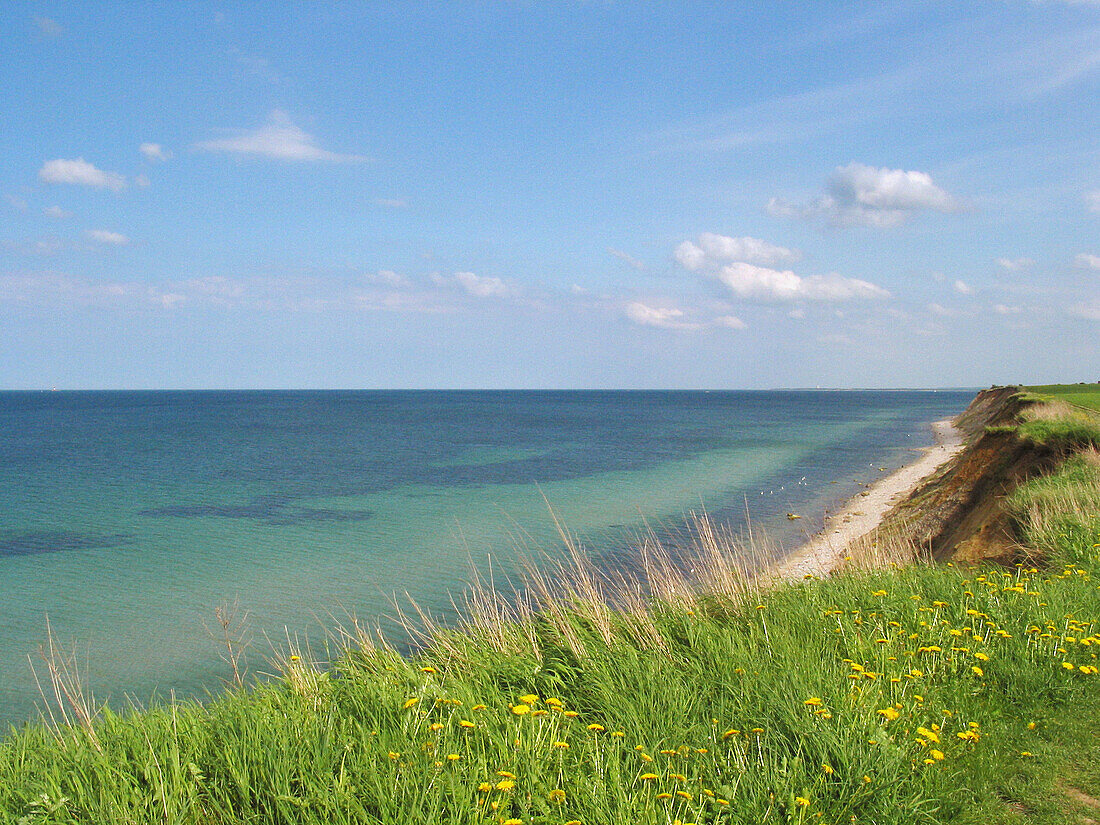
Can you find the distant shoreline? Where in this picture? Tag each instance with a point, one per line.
(824, 551)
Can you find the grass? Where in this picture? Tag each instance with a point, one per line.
(1080, 395)
(912, 693)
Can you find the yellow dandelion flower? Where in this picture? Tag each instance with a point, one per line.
(570, 714)
(453, 757)
(528, 698)
(825, 766)
(1068, 665)
(936, 754)
(556, 796)
(648, 776)
(512, 821)
(428, 669)
(618, 734)
(813, 702)
(646, 757)
(1026, 753)
(981, 657)
(684, 795)
(1031, 726)
(436, 726)
(802, 801)
(664, 795)
(506, 774)
(410, 702)
(679, 777)
(889, 714)
(519, 710)
(560, 745)
(505, 785)
(553, 701)
(866, 779)
(596, 727)
(977, 671)
(485, 787)
(930, 735)
(478, 707)
(394, 756)
(466, 723)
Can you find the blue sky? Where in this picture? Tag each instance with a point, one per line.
(525, 194)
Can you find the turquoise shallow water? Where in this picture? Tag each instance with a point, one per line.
(127, 517)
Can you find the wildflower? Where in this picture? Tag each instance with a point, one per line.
(825, 766)
(977, 671)
(968, 735)
(570, 714)
(664, 795)
(556, 796)
(930, 735)
(466, 723)
(552, 701)
(505, 785)
(394, 756)
(453, 757)
(519, 710)
(679, 777)
(1068, 665)
(618, 734)
(730, 732)
(506, 774)
(936, 754)
(813, 702)
(981, 657)
(436, 726)
(879, 593)
(485, 787)
(428, 669)
(645, 757)
(684, 795)
(410, 702)
(512, 821)
(648, 776)
(595, 727)
(866, 779)
(801, 801)
(889, 714)
(560, 745)
(1031, 726)
(478, 707)
(529, 698)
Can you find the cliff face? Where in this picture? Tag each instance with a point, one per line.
(959, 513)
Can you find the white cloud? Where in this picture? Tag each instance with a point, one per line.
(963, 288)
(80, 172)
(1003, 309)
(388, 277)
(105, 236)
(712, 250)
(49, 27)
(1092, 200)
(1015, 264)
(729, 322)
(154, 151)
(764, 284)
(481, 286)
(56, 212)
(865, 195)
(279, 138)
(661, 317)
(1087, 261)
(1090, 310)
(628, 259)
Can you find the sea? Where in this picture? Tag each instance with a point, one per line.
(131, 522)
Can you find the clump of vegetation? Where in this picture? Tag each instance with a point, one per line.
(896, 693)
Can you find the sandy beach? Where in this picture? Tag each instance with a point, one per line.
(863, 512)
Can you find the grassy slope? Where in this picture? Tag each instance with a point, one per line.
(920, 694)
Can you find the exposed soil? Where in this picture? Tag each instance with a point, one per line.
(958, 513)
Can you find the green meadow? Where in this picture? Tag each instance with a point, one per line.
(888, 692)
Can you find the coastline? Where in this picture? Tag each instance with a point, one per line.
(822, 552)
